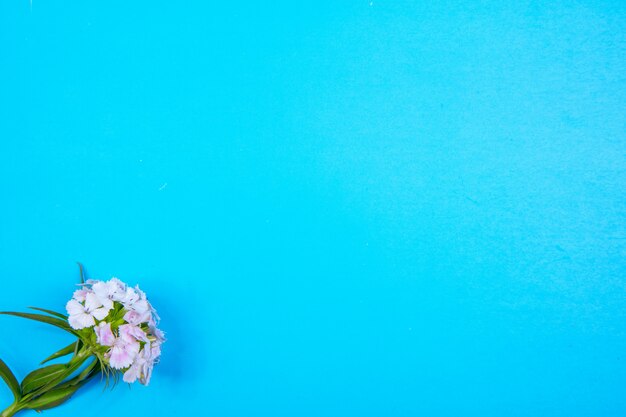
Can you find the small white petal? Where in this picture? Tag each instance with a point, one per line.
(147, 373)
(134, 318)
(92, 302)
(74, 307)
(130, 333)
(131, 375)
(79, 295)
(100, 313)
(106, 302)
(141, 306)
(129, 297)
(81, 320)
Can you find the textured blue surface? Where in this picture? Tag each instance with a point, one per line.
(355, 209)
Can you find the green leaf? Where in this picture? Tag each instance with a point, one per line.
(42, 376)
(53, 398)
(63, 352)
(73, 365)
(82, 272)
(10, 379)
(52, 313)
(79, 345)
(62, 324)
(64, 391)
(91, 370)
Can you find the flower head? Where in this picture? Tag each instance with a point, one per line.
(125, 336)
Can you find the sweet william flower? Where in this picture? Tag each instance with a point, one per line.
(107, 292)
(142, 367)
(135, 300)
(132, 333)
(134, 317)
(122, 353)
(82, 315)
(132, 344)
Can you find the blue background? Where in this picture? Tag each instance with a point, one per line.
(339, 208)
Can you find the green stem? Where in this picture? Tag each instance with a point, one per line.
(12, 409)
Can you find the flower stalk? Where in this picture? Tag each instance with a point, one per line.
(11, 410)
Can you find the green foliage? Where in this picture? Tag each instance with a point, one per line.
(52, 385)
(52, 398)
(81, 270)
(10, 379)
(42, 376)
(52, 313)
(71, 348)
(64, 391)
(54, 321)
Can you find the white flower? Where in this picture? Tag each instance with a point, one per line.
(122, 353)
(131, 333)
(79, 295)
(81, 316)
(141, 367)
(134, 299)
(129, 296)
(108, 291)
(136, 318)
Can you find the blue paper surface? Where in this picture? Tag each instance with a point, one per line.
(339, 208)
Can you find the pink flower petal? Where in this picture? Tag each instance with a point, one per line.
(104, 334)
(130, 333)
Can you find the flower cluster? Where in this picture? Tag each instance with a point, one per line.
(120, 324)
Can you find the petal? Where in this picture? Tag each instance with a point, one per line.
(74, 307)
(142, 295)
(146, 352)
(131, 375)
(100, 288)
(145, 317)
(133, 317)
(100, 313)
(130, 333)
(120, 358)
(155, 352)
(107, 289)
(106, 303)
(158, 333)
(130, 296)
(79, 295)
(154, 314)
(104, 334)
(92, 302)
(147, 373)
(132, 348)
(116, 286)
(81, 320)
(141, 306)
